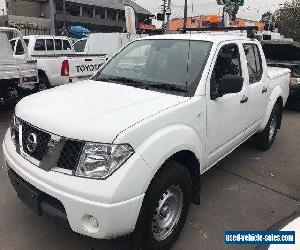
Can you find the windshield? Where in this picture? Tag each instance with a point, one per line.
(165, 65)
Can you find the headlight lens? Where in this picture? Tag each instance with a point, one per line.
(99, 161)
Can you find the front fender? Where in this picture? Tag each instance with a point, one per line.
(276, 93)
(164, 143)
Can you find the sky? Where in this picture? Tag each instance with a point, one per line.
(253, 9)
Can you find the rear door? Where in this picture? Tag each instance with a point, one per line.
(257, 85)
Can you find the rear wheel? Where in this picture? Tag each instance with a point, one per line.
(43, 83)
(265, 139)
(165, 208)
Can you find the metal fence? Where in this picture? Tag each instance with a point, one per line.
(27, 31)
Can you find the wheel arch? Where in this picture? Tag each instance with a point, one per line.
(188, 160)
(275, 98)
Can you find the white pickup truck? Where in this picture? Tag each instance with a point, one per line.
(123, 152)
(56, 60)
(15, 74)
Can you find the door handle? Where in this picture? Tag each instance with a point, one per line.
(244, 99)
(88, 60)
(264, 90)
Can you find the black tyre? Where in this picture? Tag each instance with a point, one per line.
(43, 83)
(265, 139)
(165, 208)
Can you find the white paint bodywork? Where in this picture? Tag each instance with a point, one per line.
(50, 62)
(157, 125)
(14, 68)
(107, 43)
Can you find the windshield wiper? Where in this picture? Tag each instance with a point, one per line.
(123, 80)
(170, 87)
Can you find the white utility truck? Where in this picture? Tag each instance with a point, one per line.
(123, 152)
(104, 43)
(15, 74)
(57, 62)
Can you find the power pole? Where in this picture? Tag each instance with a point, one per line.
(185, 16)
(168, 12)
(64, 13)
(164, 14)
(52, 17)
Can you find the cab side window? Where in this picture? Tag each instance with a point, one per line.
(40, 45)
(66, 45)
(58, 44)
(254, 62)
(19, 48)
(228, 63)
(50, 44)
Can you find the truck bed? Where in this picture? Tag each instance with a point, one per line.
(274, 72)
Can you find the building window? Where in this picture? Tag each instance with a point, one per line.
(73, 9)
(112, 14)
(87, 11)
(100, 13)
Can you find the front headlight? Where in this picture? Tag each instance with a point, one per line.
(99, 161)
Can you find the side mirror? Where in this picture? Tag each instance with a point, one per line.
(230, 84)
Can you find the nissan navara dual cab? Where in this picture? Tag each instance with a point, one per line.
(123, 152)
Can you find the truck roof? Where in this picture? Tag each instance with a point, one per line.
(45, 37)
(207, 36)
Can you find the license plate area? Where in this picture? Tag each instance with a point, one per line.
(26, 192)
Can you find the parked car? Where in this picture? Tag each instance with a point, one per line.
(57, 62)
(285, 53)
(15, 74)
(123, 152)
(104, 43)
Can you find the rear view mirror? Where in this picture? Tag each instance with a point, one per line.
(230, 84)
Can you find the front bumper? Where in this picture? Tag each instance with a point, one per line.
(82, 197)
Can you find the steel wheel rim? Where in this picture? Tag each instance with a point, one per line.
(42, 86)
(273, 126)
(167, 213)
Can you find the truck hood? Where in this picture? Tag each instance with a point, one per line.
(92, 111)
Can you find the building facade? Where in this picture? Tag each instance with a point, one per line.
(96, 15)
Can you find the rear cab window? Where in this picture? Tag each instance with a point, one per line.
(80, 46)
(254, 62)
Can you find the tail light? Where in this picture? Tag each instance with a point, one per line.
(29, 79)
(65, 68)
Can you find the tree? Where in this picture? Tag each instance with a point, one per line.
(288, 20)
(266, 17)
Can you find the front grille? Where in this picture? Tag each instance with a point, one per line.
(70, 154)
(45, 144)
(39, 148)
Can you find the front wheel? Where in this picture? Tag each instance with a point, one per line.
(165, 208)
(265, 139)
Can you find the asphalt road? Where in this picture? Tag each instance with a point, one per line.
(249, 190)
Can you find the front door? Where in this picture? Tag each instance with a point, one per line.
(226, 115)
